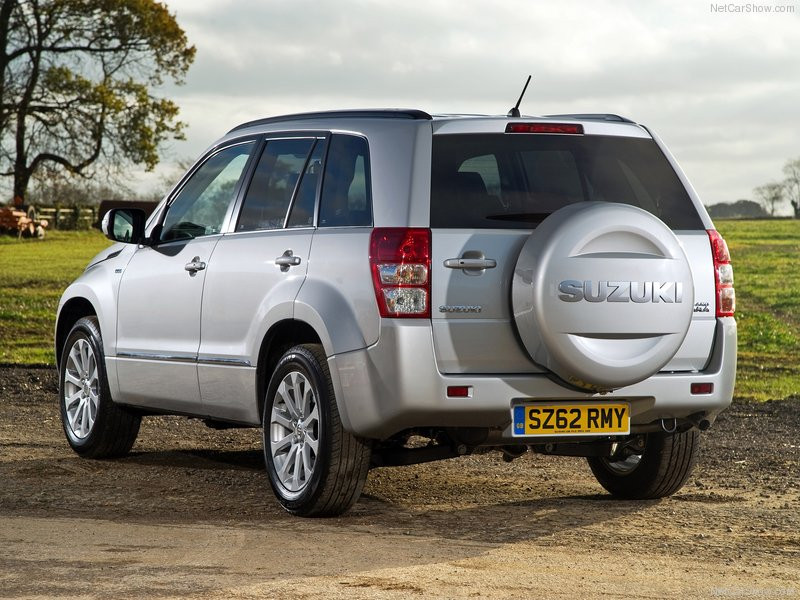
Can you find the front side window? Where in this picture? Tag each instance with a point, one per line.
(273, 185)
(346, 199)
(199, 208)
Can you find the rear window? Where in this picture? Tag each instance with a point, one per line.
(488, 181)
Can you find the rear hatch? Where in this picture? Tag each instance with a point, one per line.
(490, 189)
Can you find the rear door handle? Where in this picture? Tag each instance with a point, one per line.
(195, 265)
(286, 260)
(470, 263)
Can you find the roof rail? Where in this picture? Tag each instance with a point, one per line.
(379, 113)
(593, 117)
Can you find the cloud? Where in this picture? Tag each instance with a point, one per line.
(721, 88)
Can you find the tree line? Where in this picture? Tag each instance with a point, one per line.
(770, 198)
(774, 195)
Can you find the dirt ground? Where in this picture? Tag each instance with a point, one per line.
(190, 515)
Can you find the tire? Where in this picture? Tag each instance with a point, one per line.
(315, 467)
(661, 470)
(95, 427)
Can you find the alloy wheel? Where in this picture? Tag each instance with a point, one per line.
(81, 389)
(294, 431)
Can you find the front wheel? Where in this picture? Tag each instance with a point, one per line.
(315, 467)
(660, 470)
(95, 427)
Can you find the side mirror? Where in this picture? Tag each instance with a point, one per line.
(124, 225)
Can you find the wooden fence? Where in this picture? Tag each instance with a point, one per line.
(68, 217)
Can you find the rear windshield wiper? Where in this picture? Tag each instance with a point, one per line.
(524, 217)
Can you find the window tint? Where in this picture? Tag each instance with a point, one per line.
(273, 184)
(302, 214)
(538, 174)
(346, 198)
(486, 167)
(199, 208)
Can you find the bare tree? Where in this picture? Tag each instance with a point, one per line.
(792, 184)
(771, 195)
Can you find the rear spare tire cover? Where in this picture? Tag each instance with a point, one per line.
(602, 295)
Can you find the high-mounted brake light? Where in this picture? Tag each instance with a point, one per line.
(400, 260)
(569, 128)
(723, 275)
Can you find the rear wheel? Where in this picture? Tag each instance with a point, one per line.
(660, 470)
(315, 467)
(95, 427)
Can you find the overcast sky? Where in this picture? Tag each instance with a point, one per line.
(722, 88)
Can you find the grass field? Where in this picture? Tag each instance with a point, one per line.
(765, 256)
(33, 274)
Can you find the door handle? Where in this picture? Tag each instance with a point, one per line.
(195, 265)
(470, 263)
(286, 260)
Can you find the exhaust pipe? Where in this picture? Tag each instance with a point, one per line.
(699, 420)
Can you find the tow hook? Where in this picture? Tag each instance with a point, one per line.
(672, 429)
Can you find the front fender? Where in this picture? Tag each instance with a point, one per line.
(98, 286)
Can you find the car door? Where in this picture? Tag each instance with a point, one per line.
(256, 272)
(158, 319)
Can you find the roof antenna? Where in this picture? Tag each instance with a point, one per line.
(514, 112)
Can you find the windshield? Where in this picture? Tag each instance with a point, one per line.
(488, 181)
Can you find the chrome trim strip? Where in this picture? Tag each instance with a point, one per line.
(205, 360)
(228, 362)
(281, 231)
(168, 357)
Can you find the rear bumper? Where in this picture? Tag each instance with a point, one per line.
(395, 385)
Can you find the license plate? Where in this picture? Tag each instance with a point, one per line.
(571, 419)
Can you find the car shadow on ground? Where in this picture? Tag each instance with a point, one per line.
(182, 487)
(200, 459)
(516, 515)
(500, 522)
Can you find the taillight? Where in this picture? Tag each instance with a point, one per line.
(400, 260)
(568, 128)
(723, 275)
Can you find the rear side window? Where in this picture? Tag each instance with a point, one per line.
(274, 181)
(346, 197)
(487, 181)
(302, 213)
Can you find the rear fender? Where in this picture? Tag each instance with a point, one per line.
(333, 316)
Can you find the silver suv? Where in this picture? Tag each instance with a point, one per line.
(385, 287)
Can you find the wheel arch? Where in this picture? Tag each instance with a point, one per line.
(74, 309)
(280, 337)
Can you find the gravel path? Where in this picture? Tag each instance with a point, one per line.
(189, 514)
